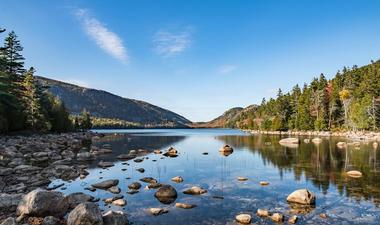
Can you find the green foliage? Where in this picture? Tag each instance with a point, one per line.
(98, 122)
(348, 101)
(24, 103)
(85, 120)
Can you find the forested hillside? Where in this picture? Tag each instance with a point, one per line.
(110, 110)
(349, 101)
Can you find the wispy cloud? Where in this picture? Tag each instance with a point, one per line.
(107, 40)
(170, 43)
(225, 69)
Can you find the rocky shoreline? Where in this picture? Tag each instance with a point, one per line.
(354, 135)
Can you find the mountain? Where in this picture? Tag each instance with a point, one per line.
(102, 104)
(227, 119)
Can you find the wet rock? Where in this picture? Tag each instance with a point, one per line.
(226, 148)
(119, 202)
(262, 212)
(134, 186)
(154, 185)
(243, 218)
(293, 219)
(42, 203)
(302, 196)
(195, 191)
(354, 173)
(139, 160)
(166, 194)
(158, 211)
(171, 152)
(157, 151)
(51, 220)
(205, 153)
(184, 205)
(148, 180)
(341, 144)
(277, 217)
(9, 200)
(106, 184)
(126, 156)
(77, 198)
(132, 192)
(84, 156)
(323, 215)
(242, 178)
(103, 164)
(141, 170)
(85, 214)
(177, 179)
(114, 190)
(264, 183)
(9, 221)
(92, 189)
(115, 218)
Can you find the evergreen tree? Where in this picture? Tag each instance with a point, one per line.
(85, 120)
(14, 59)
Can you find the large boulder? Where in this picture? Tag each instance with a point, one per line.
(85, 214)
(77, 198)
(115, 218)
(43, 203)
(106, 184)
(302, 196)
(166, 194)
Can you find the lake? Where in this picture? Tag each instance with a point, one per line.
(321, 168)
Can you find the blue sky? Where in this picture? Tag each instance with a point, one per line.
(197, 58)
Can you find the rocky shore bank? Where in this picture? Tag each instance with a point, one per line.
(354, 135)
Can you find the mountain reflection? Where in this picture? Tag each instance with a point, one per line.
(323, 164)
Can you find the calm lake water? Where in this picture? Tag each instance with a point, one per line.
(319, 167)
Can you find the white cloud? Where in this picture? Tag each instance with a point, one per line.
(225, 69)
(167, 43)
(110, 42)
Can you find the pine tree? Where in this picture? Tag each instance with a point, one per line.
(35, 118)
(85, 120)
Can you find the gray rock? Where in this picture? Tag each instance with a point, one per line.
(51, 220)
(103, 164)
(9, 221)
(77, 198)
(134, 186)
(148, 180)
(114, 190)
(115, 218)
(85, 214)
(9, 200)
(106, 184)
(195, 191)
(43, 203)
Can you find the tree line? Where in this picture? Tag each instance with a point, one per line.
(348, 101)
(25, 104)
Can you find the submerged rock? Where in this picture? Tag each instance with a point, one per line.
(134, 186)
(42, 203)
(85, 214)
(262, 212)
(277, 217)
(148, 180)
(114, 190)
(243, 218)
(166, 194)
(354, 173)
(158, 211)
(106, 184)
(293, 219)
(302, 196)
(184, 205)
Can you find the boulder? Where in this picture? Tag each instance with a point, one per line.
(115, 218)
(85, 214)
(243, 218)
(51, 220)
(302, 196)
(195, 191)
(177, 179)
(77, 198)
(42, 203)
(166, 194)
(106, 184)
(9, 221)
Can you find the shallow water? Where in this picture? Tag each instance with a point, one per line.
(318, 167)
